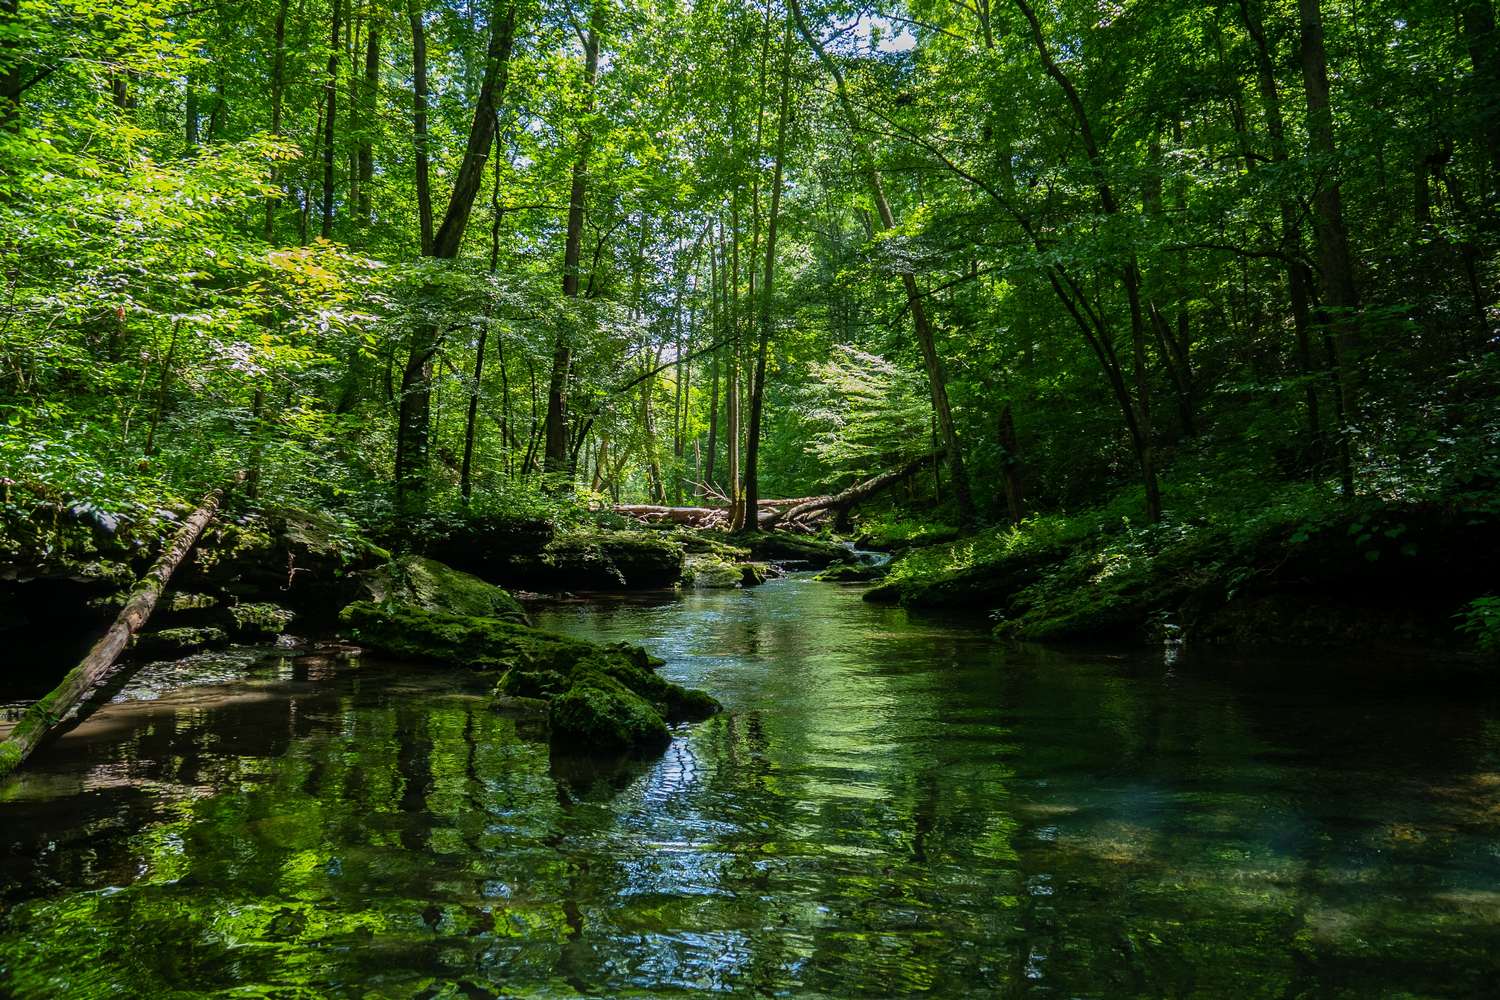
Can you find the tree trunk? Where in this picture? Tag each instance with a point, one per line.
(758, 383)
(1483, 42)
(936, 376)
(1334, 260)
(556, 456)
(45, 716)
(12, 83)
(371, 95)
(330, 92)
(416, 379)
(278, 96)
(419, 123)
(1010, 461)
(1141, 425)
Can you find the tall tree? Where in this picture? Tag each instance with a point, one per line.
(758, 382)
(556, 432)
(415, 408)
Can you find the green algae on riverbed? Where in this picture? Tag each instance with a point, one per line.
(890, 806)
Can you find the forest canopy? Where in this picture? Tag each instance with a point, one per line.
(514, 255)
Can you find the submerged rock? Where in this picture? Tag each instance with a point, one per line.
(598, 698)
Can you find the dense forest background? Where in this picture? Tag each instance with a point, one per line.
(1153, 258)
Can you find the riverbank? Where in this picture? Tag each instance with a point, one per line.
(1302, 568)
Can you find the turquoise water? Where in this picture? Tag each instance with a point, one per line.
(890, 806)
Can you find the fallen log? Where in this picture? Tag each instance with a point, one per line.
(851, 496)
(46, 715)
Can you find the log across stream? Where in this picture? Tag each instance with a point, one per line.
(889, 805)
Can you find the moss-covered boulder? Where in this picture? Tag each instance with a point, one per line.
(429, 585)
(709, 572)
(599, 698)
(753, 574)
(852, 572)
(598, 712)
(609, 560)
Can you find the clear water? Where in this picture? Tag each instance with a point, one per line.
(891, 806)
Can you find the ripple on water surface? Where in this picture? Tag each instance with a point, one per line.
(890, 806)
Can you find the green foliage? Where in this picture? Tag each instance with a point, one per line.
(1480, 622)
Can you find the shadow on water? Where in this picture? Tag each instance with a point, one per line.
(891, 806)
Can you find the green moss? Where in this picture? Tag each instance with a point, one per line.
(432, 586)
(851, 573)
(179, 601)
(10, 758)
(172, 642)
(479, 642)
(601, 697)
(597, 712)
(711, 572)
(260, 619)
(602, 559)
(753, 574)
(778, 546)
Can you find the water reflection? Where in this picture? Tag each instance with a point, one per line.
(889, 807)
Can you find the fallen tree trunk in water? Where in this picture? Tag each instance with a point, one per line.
(46, 715)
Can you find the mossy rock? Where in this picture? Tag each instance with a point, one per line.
(850, 572)
(611, 560)
(260, 621)
(305, 560)
(170, 643)
(710, 572)
(431, 586)
(753, 574)
(479, 642)
(598, 713)
(600, 698)
(178, 601)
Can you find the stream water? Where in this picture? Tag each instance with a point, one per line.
(890, 806)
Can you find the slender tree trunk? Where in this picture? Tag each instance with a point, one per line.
(1335, 263)
(758, 390)
(190, 116)
(936, 376)
(556, 461)
(278, 96)
(12, 81)
(369, 116)
(1010, 462)
(419, 123)
(330, 102)
(415, 413)
(1483, 42)
(732, 383)
(1298, 277)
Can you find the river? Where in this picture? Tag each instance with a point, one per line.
(891, 805)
